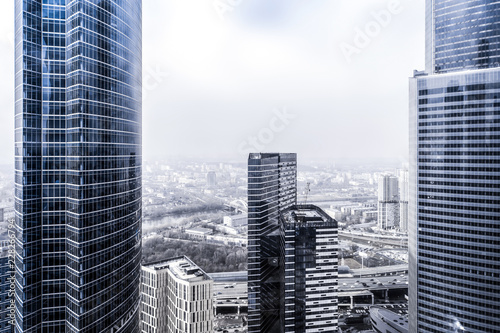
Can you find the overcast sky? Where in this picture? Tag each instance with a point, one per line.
(323, 78)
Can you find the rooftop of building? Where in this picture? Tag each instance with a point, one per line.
(240, 216)
(257, 158)
(306, 214)
(264, 155)
(200, 230)
(181, 267)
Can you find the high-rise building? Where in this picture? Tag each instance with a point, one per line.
(388, 202)
(78, 165)
(454, 214)
(211, 178)
(272, 188)
(176, 297)
(309, 270)
(403, 199)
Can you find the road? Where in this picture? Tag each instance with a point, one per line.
(374, 239)
(224, 290)
(379, 282)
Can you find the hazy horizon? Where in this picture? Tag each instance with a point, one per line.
(327, 80)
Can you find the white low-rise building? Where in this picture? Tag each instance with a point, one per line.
(227, 239)
(199, 232)
(176, 296)
(236, 220)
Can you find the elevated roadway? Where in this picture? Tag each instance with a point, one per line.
(374, 239)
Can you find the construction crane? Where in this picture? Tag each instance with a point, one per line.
(307, 190)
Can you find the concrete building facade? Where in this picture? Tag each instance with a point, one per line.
(388, 202)
(176, 296)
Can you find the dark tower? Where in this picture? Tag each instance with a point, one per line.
(78, 165)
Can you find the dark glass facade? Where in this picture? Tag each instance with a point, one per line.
(78, 165)
(464, 34)
(308, 270)
(272, 182)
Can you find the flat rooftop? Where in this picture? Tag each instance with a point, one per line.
(200, 230)
(306, 214)
(181, 267)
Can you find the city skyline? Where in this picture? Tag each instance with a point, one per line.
(199, 69)
(414, 232)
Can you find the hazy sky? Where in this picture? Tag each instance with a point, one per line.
(224, 77)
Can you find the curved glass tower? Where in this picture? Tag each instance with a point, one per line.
(463, 35)
(454, 206)
(78, 165)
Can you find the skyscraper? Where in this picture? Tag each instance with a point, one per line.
(388, 202)
(454, 214)
(309, 270)
(272, 188)
(78, 165)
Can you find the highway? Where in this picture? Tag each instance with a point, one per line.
(373, 283)
(374, 239)
(380, 271)
(238, 290)
(223, 290)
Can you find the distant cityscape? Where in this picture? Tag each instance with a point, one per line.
(95, 239)
(199, 210)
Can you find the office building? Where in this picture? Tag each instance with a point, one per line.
(272, 188)
(236, 220)
(211, 179)
(309, 270)
(176, 297)
(403, 199)
(388, 202)
(199, 232)
(78, 165)
(454, 179)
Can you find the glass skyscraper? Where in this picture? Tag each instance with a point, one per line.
(272, 188)
(78, 165)
(454, 206)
